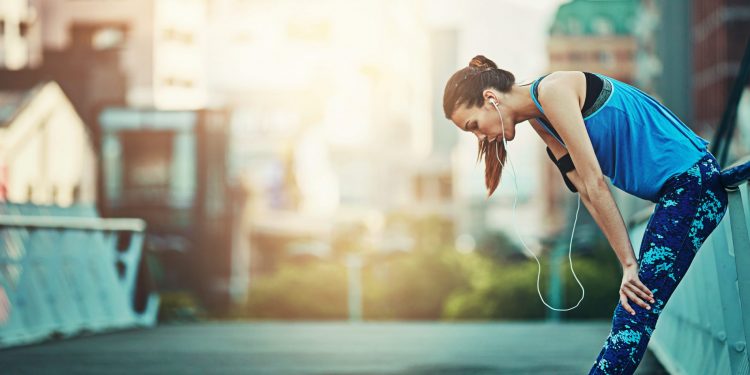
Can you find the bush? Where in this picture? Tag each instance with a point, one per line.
(600, 275)
(179, 306)
(433, 285)
(509, 290)
(498, 291)
(411, 286)
(316, 290)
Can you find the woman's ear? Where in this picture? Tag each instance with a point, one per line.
(489, 97)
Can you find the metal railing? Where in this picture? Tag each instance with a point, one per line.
(65, 271)
(704, 326)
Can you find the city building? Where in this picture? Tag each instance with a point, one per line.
(161, 44)
(46, 152)
(595, 36)
(721, 33)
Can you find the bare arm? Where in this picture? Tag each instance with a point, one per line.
(562, 103)
(562, 108)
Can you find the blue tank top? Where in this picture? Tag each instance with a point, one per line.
(638, 142)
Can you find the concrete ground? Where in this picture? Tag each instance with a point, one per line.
(333, 348)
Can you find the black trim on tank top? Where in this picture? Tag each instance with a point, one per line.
(594, 86)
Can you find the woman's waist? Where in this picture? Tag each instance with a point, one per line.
(705, 166)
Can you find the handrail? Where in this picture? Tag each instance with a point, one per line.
(735, 178)
(71, 274)
(729, 184)
(73, 222)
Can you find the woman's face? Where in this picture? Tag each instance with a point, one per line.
(484, 121)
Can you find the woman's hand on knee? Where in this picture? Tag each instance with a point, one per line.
(633, 289)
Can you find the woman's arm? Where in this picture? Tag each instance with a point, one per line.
(629, 285)
(562, 107)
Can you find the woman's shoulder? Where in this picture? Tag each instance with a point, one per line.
(566, 77)
(574, 79)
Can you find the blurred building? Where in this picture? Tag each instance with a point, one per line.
(46, 153)
(596, 36)
(327, 128)
(721, 32)
(20, 35)
(161, 44)
(169, 168)
(134, 64)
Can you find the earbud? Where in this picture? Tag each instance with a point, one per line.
(492, 100)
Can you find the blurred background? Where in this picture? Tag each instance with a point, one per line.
(290, 159)
(254, 162)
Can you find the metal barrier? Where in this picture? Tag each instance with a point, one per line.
(66, 271)
(704, 327)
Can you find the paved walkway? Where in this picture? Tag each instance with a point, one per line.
(317, 348)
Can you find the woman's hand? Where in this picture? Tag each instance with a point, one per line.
(632, 288)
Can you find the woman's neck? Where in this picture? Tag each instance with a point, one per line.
(523, 106)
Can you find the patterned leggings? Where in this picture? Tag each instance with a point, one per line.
(691, 205)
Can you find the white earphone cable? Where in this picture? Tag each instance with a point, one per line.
(515, 200)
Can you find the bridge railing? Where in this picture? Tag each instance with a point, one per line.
(66, 271)
(706, 323)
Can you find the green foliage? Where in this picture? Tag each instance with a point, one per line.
(504, 290)
(411, 286)
(499, 247)
(434, 281)
(178, 306)
(600, 275)
(497, 291)
(316, 290)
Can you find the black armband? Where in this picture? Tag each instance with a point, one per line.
(565, 165)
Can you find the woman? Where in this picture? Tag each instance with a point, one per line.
(604, 127)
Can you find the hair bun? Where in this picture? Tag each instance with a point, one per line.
(482, 63)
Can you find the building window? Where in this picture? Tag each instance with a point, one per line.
(146, 166)
(446, 186)
(607, 59)
(575, 27)
(178, 82)
(602, 26)
(557, 28)
(557, 56)
(108, 38)
(576, 56)
(23, 28)
(178, 35)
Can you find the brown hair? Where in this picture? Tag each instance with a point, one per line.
(466, 87)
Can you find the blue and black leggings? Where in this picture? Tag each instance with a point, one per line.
(690, 206)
